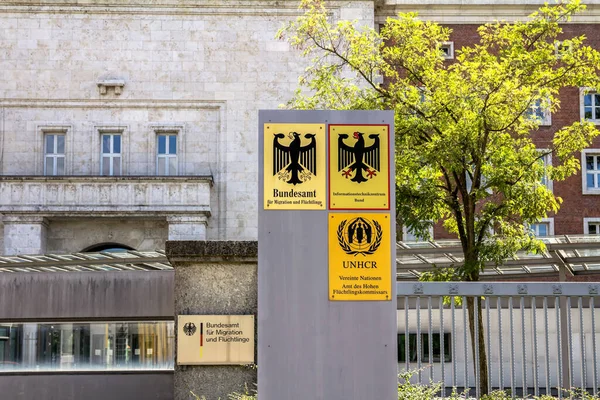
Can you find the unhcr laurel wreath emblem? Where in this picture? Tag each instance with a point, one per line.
(359, 236)
(189, 328)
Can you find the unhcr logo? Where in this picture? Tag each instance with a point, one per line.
(359, 236)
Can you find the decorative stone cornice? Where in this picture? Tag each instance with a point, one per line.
(25, 219)
(474, 11)
(160, 7)
(187, 219)
(444, 11)
(114, 103)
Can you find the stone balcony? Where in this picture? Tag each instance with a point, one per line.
(105, 195)
(30, 204)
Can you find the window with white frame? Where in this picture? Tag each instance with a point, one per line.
(447, 50)
(54, 154)
(110, 155)
(591, 107)
(543, 228)
(540, 112)
(590, 160)
(591, 226)
(546, 160)
(540, 229)
(409, 236)
(562, 48)
(483, 183)
(166, 154)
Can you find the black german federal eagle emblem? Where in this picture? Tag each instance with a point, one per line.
(189, 328)
(355, 160)
(294, 163)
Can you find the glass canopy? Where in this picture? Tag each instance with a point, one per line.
(579, 255)
(87, 262)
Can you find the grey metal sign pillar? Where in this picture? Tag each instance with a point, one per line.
(310, 347)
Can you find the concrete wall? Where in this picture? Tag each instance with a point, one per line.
(86, 295)
(94, 386)
(214, 278)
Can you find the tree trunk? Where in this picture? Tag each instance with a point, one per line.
(480, 349)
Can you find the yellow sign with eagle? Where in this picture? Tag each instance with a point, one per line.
(294, 167)
(360, 266)
(359, 167)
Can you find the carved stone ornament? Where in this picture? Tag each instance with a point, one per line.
(105, 83)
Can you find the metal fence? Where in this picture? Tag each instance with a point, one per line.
(538, 337)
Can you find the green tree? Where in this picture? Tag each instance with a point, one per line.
(465, 153)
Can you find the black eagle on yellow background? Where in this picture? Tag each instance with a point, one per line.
(294, 162)
(355, 160)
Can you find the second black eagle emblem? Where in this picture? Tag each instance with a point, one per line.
(356, 161)
(295, 162)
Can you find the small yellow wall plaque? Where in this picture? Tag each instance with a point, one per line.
(294, 166)
(359, 257)
(215, 339)
(359, 167)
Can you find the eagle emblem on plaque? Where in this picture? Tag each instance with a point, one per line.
(359, 162)
(189, 329)
(294, 157)
(359, 236)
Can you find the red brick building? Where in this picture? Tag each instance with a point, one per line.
(580, 210)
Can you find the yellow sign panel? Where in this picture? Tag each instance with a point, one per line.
(294, 167)
(215, 339)
(359, 167)
(360, 265)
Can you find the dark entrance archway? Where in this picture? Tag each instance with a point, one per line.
(111, 247)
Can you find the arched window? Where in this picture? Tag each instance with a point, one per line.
(109, 247)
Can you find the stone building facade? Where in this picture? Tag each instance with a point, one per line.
(89, 89)
(132, 122)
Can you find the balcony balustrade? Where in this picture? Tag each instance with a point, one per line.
(105, 195)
